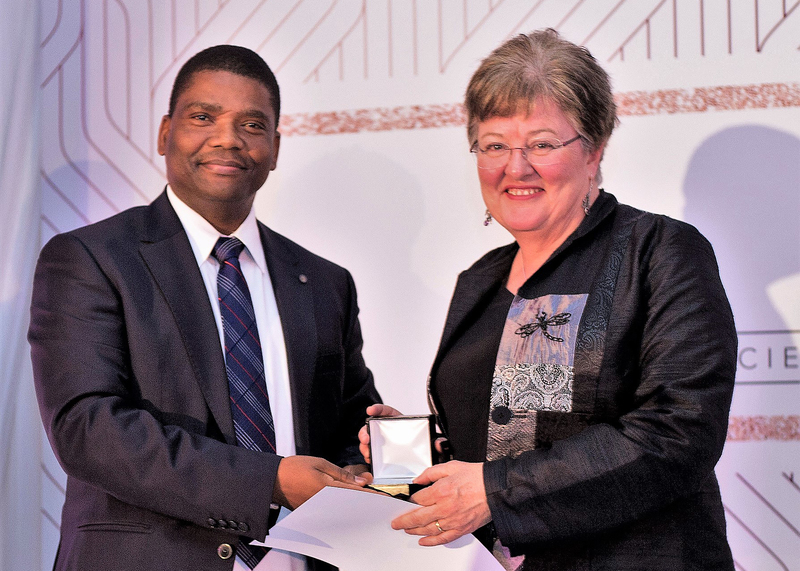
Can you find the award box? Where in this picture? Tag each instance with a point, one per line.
(401, 448)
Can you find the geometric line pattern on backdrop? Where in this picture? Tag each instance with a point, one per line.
(732, 515)
(651, 26)
(89, 48)
(750, 521)
(244, 364)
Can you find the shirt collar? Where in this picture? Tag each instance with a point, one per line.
(203, 236)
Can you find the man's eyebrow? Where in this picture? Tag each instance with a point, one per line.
(256, 114)
(203, 105)
(215, 108)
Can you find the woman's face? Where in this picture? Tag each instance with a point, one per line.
(542, 202)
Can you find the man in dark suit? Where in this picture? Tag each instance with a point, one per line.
(130, 358)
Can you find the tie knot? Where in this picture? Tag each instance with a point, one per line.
(227, 248)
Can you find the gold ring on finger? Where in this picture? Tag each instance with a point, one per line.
(439, 527)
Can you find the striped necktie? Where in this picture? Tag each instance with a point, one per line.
(244, 364)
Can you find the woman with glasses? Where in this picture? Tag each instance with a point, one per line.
(585, 371)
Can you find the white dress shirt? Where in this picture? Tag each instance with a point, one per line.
(202, 237)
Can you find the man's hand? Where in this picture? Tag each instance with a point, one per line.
(361, 470)
(453, 506)
(300, 477)
(363, 435)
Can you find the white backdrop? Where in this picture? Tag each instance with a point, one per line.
(374, 174)
(20, 433)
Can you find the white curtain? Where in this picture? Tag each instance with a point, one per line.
(20, 433)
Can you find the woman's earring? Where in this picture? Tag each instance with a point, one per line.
(585, 203)
(488, 219)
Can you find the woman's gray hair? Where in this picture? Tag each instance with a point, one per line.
(543, 65)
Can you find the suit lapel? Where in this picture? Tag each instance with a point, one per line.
(472, 287)
(294, 296)
(168, 255)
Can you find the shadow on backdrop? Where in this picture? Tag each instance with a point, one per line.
(370, 229)
(742, 192)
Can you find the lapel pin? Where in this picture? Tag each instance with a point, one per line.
(303, 279)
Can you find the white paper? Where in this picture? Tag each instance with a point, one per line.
(351, 530)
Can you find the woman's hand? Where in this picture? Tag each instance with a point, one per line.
(363, 435)
(456, 500)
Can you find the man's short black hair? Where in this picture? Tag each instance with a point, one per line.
(234, 59)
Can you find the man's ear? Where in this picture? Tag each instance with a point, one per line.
(163, 133)
(276, 146)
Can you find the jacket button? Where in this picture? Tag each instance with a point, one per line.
(502, 415)
(243, 527)
(212, 522)
(225, 551)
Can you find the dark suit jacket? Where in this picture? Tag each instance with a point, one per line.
(132, 390)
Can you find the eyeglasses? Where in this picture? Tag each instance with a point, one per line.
(539, 152)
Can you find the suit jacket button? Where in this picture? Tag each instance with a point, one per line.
(222, 523)
(243, 527)
(212, 522)
(225, 551)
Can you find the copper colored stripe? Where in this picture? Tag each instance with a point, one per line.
(379, 119)
(754, 428)
(664, 101)
(702, 99)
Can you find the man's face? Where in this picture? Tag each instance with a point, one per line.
(220, 144)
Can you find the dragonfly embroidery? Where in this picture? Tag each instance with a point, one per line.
(542, 323)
